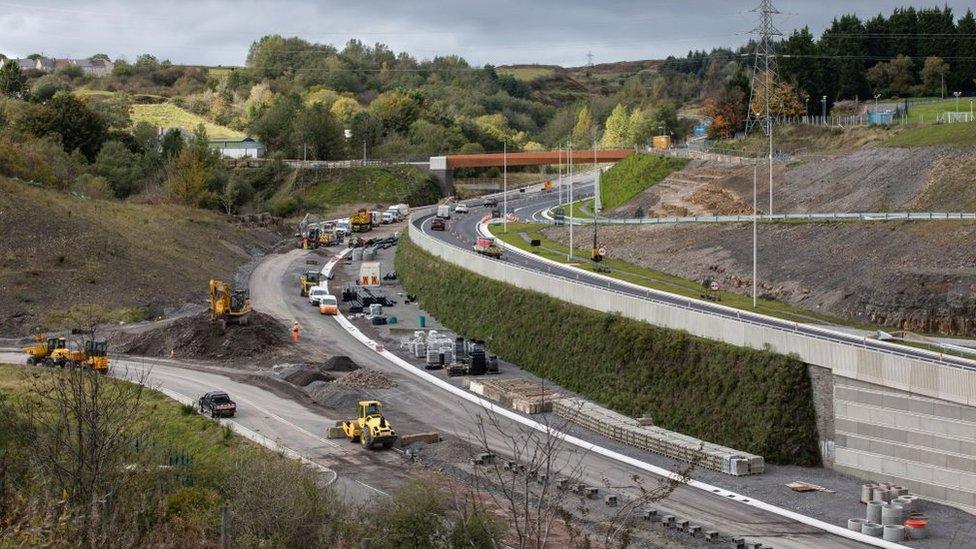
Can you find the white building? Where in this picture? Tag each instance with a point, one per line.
(239, 148)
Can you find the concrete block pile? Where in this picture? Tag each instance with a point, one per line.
(655, 439)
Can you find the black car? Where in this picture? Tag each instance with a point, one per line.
(490, 202)
(218, 403)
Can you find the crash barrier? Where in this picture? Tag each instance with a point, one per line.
(655, 439)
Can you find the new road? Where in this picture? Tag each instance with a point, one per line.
(531, 205)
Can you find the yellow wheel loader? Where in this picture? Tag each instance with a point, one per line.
(370, 429)
(228, 305)
(40, 352)
(94, 356)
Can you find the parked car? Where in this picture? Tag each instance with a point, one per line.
(316, 293)
(218, 404)
(438, 224)
(461, 208)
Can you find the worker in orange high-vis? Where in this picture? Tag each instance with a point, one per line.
(296, 332)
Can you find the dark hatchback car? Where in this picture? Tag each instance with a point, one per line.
(437, 224)
(218, 404)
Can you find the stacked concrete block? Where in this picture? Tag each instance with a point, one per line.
(521, 395)
(655, 439)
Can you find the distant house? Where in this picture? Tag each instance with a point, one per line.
(92, 67)
(239, 148)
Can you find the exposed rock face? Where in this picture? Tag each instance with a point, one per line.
(913, 276)
(919, 276)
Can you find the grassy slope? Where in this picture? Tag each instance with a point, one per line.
(632, 175)
(657, 280)
(527, 73)
(751, 400)
(168, 115)
(60, 251)
(205, 441)
(373, 185)
(931, 111)
(962, 134)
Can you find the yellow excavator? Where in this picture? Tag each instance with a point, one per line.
(228, 305)
(370, 429)
(40, 352)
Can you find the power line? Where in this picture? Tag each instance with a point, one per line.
(764, 67)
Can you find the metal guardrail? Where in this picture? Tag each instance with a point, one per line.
(810, 217)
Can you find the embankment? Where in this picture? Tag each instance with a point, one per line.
(755, 401)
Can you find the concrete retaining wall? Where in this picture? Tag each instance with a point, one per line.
(923, 444)
(935, 380)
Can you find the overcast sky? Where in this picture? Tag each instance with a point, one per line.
(212, 32)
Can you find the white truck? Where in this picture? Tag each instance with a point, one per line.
(389, 217)
(343, 227)
(444, 211)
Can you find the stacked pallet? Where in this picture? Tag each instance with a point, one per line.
(521, 395)
(655, 439)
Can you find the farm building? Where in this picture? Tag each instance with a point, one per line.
(239, 148)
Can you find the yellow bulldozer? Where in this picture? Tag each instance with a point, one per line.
(228, 305)
(40, 352)
(370, 429)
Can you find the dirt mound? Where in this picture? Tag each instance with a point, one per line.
(719, 201)
(366, 379)
(306, 375)
(340, 363)
(196, 337)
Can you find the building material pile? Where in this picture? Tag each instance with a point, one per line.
(522, 395)
(366, 379)
(655, 439)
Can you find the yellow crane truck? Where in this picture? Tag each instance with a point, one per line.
(370, 429)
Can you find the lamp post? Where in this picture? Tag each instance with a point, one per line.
(570, 257)
(505, 184)
(823, 102)
(957, 94)
(755, 213)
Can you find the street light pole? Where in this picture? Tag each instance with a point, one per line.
(559, 169)
(570, 203)
(505, 183)
(755, 213)
(957, 94)
(823, 102)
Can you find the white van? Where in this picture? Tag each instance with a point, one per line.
(316, 294)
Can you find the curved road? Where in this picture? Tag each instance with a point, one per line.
(530, 205)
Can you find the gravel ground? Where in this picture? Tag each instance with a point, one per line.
(917, 276)
(949, 526)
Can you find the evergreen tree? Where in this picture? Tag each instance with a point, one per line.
(845, 43)
(13, 83)
(964, 72)
(903, 26)
(799, 64)
(878, 40)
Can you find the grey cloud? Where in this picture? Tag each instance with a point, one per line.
(499, 32)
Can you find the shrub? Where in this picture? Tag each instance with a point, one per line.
(755, 401)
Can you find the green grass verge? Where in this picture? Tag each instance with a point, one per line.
(657, 280)
(634, 174)
(381, 185)
(755, 401)
(929, 112)
(960, 134)
(168, 115)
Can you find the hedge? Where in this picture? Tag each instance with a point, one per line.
(755, 401)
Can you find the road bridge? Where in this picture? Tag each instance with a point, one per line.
(442, 167)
